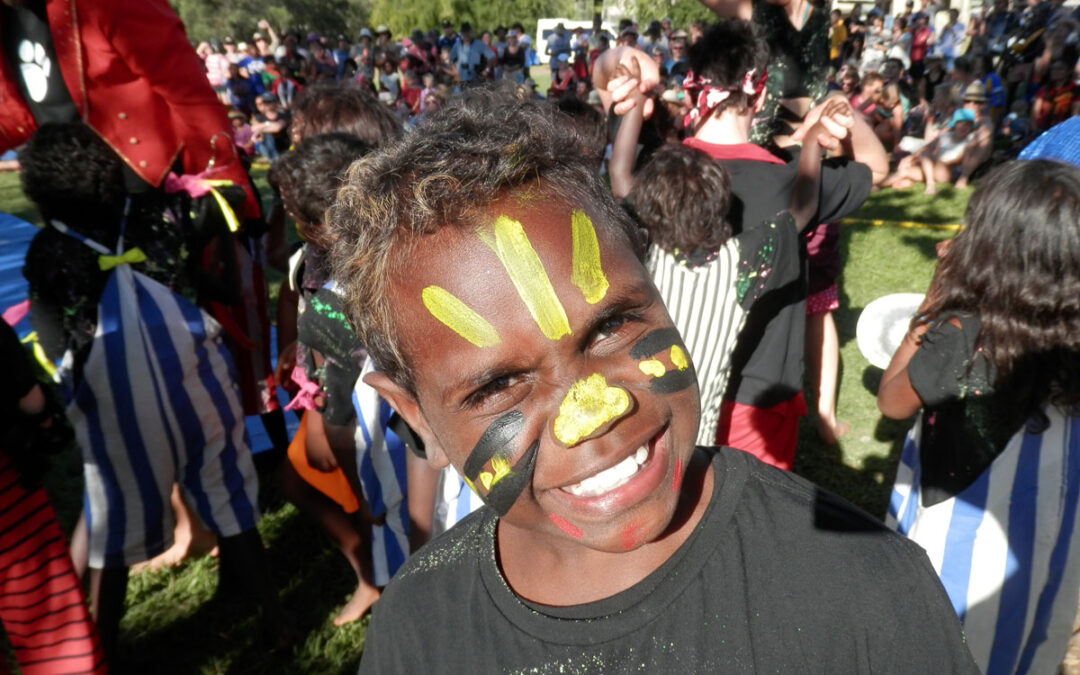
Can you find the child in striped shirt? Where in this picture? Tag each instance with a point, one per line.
(708, 275)
(153, 396)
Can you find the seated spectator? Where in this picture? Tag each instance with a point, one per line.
(270, 127)
(242, 133)
(846, 81)
(983, 69)
(978, 150)
(936, 74)
(564, 78)
(933, 121)
(322, 61)
(938, 161)
(1058, 99)
(900, 45)
(675, 65)
(876, 46)
(838, 36)
(1017, 126)
(239, 90)
(869, 94)
(888, 117)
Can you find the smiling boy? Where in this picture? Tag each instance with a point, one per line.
(500, 291)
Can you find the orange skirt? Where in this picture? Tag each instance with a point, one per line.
(333, 484)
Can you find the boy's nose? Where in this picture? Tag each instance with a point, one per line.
(588, 410)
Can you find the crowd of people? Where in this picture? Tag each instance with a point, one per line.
(547, 349)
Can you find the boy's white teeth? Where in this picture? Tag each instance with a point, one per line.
(609, 479)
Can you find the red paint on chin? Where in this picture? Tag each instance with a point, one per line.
(631, 538)
(566, 526)
(677, 480)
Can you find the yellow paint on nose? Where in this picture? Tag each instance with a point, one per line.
(527, 273)
(652, 367)
(588, 406)
(678, 358)
(587, 273)
(459, 317)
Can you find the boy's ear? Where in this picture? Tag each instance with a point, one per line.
(406, 405)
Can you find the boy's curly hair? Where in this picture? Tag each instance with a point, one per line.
(346, 108)
(483, 145)
(309, 175)
(1016, 266)
(682, 196)
(726, 52)
(587, 123)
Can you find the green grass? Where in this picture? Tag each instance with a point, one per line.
(172, 624)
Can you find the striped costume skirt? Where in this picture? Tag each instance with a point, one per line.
(1007, 548)
(380, 463)
(454, 500)
(157, 404)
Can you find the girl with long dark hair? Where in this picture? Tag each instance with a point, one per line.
(989, 480)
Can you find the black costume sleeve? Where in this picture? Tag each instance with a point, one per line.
(845, 185)
(939, 366)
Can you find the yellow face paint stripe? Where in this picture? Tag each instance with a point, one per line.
(652, 367)
(458, 317)
(500, 468)
(587, 274)
(527, 273)
(678, 358)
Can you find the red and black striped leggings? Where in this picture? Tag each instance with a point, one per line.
(41, 604)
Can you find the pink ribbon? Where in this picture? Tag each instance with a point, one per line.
(16, 313)
(304, 399)
(189, 183)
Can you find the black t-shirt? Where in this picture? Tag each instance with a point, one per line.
(965, 424)
(767, 364)
(28, 47)
(779, 576)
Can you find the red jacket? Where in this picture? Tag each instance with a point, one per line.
(136, 81)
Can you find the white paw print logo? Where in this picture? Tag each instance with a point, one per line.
(35, 66)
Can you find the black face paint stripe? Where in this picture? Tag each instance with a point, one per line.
(655, 342)
(504, 493)
(497, 436)
(673, 381)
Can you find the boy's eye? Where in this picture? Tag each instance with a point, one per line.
(613, 326)
(491, 391)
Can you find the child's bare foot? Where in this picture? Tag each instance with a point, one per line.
(186, 544)
(930, 190)
(358, 605)
(831, 431)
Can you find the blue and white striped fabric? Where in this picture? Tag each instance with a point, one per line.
(1007, 548)
(454, 500)
(157, 404)
(380, 462)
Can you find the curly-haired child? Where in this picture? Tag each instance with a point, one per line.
(500, 291)
(989, 480)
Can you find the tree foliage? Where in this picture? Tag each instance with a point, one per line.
(402, 16)
(681, 12)
(207, 19)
